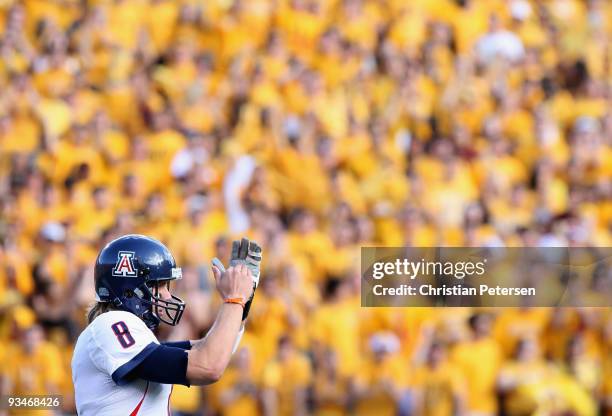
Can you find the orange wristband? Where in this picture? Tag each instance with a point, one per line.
(239, 301)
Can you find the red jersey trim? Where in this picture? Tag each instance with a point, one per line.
(135, 411)
(171, 388)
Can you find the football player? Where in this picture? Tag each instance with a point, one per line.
(119, 367)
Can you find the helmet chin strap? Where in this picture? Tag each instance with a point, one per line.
(147, 315)
(150, 320)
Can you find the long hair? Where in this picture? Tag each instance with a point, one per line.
(98, 309)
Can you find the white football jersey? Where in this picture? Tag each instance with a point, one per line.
(108, 349)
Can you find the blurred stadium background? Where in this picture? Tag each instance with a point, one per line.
(314, 127)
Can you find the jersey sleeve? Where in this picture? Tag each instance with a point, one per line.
(120, 342)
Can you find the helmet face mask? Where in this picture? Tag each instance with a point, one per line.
(128, 273)
(168, 311)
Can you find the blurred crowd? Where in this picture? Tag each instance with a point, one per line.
(314, 127)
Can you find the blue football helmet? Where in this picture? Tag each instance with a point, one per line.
(127, 273)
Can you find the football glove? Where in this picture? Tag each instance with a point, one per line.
(249, 253)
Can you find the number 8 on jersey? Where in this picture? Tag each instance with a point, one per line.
(123, 334)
